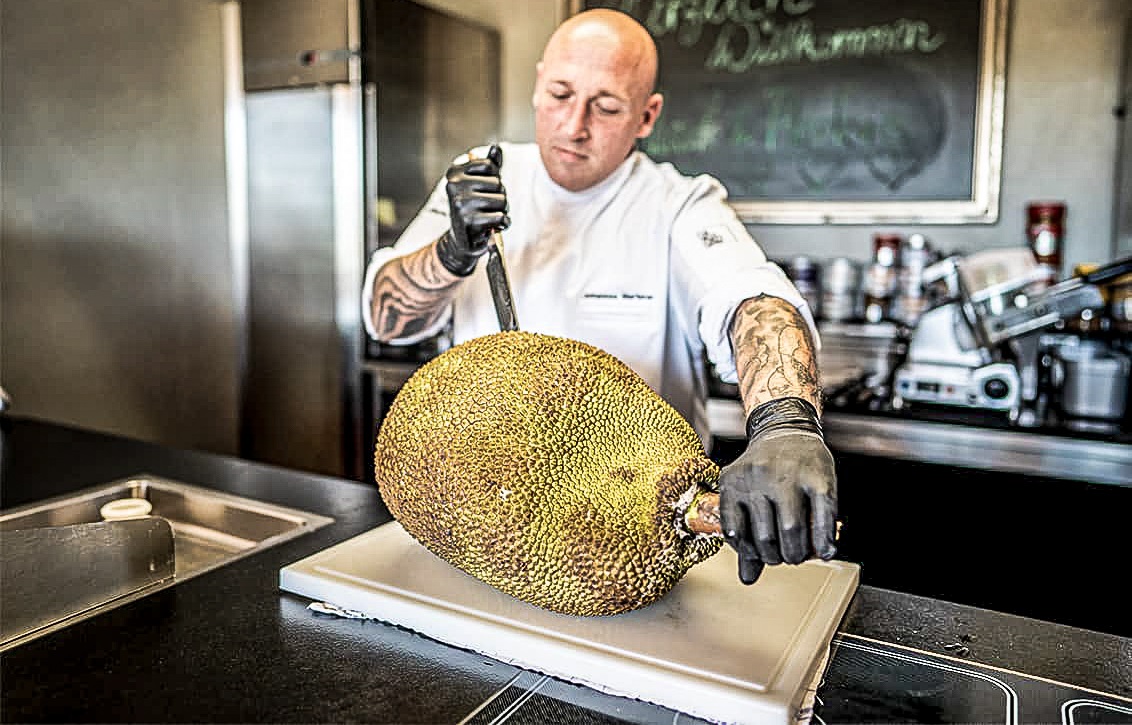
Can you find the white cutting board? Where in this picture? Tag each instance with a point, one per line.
(711, 647)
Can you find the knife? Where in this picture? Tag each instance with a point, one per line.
(497, 274)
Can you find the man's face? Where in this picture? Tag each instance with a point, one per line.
(591, 105)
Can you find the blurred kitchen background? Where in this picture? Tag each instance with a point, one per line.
(190, 189)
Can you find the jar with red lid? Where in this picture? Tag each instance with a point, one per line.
(886, 249)
(1045, 231)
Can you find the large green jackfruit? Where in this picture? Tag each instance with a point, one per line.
(547, 468)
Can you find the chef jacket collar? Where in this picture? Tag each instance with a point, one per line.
(556, 194)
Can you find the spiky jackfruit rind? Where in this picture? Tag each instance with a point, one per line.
(546, 468)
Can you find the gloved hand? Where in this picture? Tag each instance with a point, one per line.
(477, 205)
(778, 499)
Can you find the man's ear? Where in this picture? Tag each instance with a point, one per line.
(538, 84)
(650, 114)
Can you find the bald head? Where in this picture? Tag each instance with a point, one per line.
(626, 42)
(594, 96)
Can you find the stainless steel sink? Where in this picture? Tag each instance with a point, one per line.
(209, 529)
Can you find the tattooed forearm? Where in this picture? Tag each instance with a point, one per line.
(774, 353)
(410, 292)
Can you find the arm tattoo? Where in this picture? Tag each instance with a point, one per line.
(774, 353)
(410, 293)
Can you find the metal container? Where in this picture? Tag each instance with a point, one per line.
(915, 256)
(1093, 380)
(806, 276)
(851, 351)
(841, 290)
(1120, 303)
(880, 286)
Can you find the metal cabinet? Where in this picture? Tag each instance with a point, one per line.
(1124, 169)
(297, 42)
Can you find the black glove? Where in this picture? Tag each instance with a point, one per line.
(477, 206)
(778, 499)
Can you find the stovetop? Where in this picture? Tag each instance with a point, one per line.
(865, 681)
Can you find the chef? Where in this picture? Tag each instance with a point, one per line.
(607, 246)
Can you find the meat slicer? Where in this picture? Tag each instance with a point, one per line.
(973, 347)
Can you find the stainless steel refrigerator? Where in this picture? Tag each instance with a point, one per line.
(352, 109)
(1123, 246)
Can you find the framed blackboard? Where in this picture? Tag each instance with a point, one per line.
(833, 111)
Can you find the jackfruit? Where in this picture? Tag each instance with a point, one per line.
(547, 468)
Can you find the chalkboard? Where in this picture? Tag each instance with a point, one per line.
(833, 110)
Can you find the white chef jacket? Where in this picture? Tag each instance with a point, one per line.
(648, 265)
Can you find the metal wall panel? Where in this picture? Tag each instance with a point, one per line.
(116, 303)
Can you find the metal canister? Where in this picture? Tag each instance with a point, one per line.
(882, 277)
(841, 290)
(880, 286)
(914, 259)
(805, 275)
(1120, 303)
(1094, 380)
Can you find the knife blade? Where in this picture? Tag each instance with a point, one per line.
(500, 284)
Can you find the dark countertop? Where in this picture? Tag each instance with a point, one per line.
(229, 646)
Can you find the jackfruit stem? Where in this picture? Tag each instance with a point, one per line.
(702, 516)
